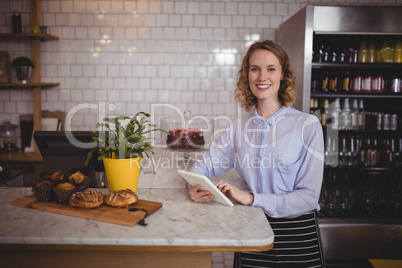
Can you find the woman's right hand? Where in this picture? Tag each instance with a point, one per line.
(200, 196)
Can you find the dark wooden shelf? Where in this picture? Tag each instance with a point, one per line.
(363, 169)
(377, 66)
(27, 36)
(354, 95)
(29, 85)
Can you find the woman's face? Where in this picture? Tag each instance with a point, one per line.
(265, 75)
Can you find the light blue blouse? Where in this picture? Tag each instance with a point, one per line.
(280, 158)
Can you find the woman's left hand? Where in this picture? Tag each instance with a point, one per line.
(234, 193)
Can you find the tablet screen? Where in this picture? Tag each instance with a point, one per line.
(206, 184)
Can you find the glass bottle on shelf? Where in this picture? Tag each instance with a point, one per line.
(315, 83)
(366, 82)
(394, 152)
(324, 81)
(324, 111)
(356, 152)
(398, 51)
(354, 115)
(363, 52)
(345, 155)
(385, 153)
(374, 153)
(357, 82)
(320, 54)
(399, 159)
(336, 115)
(333, 82)
(387, 51)
(327, 152)
(346, 122)
(367, 152)
(334, 153)
(377, 83)
(361, 115)
(372, 53)
(344, 83)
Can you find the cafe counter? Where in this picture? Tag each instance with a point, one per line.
(180, 234)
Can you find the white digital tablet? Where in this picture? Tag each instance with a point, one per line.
(206, 184)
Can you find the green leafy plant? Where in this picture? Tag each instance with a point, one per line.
(123, 142)
(22, 61)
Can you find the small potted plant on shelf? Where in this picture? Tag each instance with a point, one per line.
(122, 149)
(23, 68)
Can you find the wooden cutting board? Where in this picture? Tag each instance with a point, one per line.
(103, 213)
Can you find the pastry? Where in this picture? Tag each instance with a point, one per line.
(87, 198)
(43, 191)
(57, 176)
(121, 198)
(185, 139)
(39, 184)
(77, 178)
(65, 186)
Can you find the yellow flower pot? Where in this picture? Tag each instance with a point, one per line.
(122, 173)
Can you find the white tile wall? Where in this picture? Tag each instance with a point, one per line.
(136, 53)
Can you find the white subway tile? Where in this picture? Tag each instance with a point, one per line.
(231, 8)
(113, 95)
(144, 83)
(76, 70)
(212, 21)
(200, 20)
(88, 95)
(101, 94)
(22, 107)
(218, 8)
(82, 82)
(180, 7)
(142, 7)
(256, 8)
(49, 19)
(125, 95)
(251, 22)
(117, 6)
(79, 6)
(72, 20)
(281, 9)
(187, 96)
(167, 7)
(174, 20)
(92, 6)
(193, 7)
(66, 6)
(206, 8)
(130, 7)
(225, 21)
(104, 6)
(244, 8)
(54, 7)
(269, 8)
(155, 7)
(76, 95)
(107, 83)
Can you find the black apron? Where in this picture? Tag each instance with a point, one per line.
(297, 244)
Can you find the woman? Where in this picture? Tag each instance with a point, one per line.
(278, 151)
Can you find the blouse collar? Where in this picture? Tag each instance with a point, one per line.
(270, 120)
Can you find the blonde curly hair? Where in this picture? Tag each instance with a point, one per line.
(287, 94)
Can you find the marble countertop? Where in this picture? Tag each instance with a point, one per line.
(179, 222)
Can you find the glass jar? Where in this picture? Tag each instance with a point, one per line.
(8, 137)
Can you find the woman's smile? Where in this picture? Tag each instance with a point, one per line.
(263, 87)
